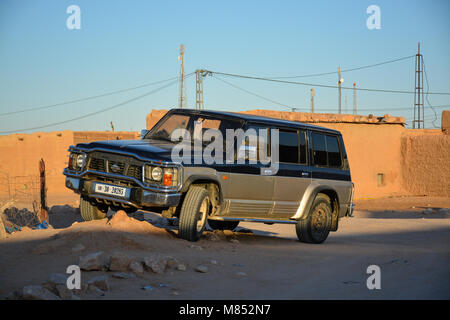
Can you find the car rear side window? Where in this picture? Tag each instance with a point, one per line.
(289, 146)
(334, 155)
(326, 150)
(319, 149)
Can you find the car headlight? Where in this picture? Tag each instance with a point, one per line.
(167, 176)
(80, 160)
(77, 161)
(157, 173)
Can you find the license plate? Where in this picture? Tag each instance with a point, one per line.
(110, 190)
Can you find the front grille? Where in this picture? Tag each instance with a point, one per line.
(135, 171)
(97, 164)
(116, 167)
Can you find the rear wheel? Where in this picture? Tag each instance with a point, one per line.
(223, 225)
(317, 226)
(90, 211)
(194, 213)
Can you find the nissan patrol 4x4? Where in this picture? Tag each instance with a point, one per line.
(298, 175)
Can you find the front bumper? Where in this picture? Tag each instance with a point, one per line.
(136, 196)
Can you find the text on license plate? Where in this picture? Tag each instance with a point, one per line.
(111, 190)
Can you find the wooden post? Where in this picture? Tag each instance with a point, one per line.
(43, 212)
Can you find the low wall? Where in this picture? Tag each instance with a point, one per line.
(20, 155)
(426, 162)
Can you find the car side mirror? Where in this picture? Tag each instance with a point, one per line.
(144, 133)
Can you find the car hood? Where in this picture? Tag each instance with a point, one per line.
(148, 148)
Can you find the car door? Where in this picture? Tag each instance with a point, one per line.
(294, 173)
(248, 193)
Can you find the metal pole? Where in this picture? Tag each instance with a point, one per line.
(339, 84)
(312, 100)
(181, 58)
(354, 98)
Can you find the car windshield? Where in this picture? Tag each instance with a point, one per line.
(195, 126)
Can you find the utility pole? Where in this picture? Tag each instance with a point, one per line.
(354, 98)
(340, 81)
(313, 93)
(182, 100)
(418, 92)
(199, 75)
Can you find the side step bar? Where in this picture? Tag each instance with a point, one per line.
(268, 221)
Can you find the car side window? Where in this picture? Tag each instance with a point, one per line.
(334, 155)
(326, 151)
(289, 146)
(250, 146)
(319, 149)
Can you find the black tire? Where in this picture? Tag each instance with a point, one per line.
(223, 225)
(194, 213)
(316, 227)
(90, 212)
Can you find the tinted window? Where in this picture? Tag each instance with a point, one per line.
(255, 138)
(288, 146)
(334, 156)
(319, 149)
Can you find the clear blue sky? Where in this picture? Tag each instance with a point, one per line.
(123, 44)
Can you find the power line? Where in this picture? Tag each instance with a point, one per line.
(95, 112)
(426, 96)
(252, 93)
(88, 98)
(319, 85)
(346, 70)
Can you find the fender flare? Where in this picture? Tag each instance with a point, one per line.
(197, 178)
(310, 195)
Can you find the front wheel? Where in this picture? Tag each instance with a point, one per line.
(317, 226)
(90, 211)
(194, 213)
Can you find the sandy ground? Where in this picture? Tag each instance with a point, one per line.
(411, 248)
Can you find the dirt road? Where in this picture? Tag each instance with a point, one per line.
(411, 248)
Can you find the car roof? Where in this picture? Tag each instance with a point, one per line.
(255, 118)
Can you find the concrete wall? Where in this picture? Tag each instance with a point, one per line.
(20, 155)
(426, 162)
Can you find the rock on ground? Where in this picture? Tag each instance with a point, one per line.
(119, 262)
(100, 282)
(156, 264)
(136, 267)
(38, 293)
(201, 268)
(92, 261)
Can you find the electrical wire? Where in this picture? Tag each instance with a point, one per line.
(342, 71)
(95, 112)
(88, 98)
(426, 95)
(319, 85)
(252, 93)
